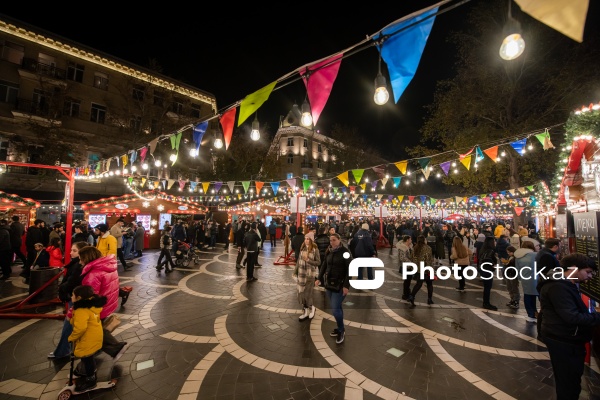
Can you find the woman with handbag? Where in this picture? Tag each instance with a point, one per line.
(307, 268)
(334, 275)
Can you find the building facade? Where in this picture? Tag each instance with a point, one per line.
(64, 103)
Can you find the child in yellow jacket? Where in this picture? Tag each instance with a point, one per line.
(87, 332)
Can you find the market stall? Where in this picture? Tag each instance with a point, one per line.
(151, 209)
(24, 208)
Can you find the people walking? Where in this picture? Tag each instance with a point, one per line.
(405, 255)
(138, 238)
(487, 261)
(166, 242)
(334, 276)
(273, 233)
(17, 230)
(251, 243)
(461, 256)
(524, 262)
(307, 269)
(511, 275)
(422, 254)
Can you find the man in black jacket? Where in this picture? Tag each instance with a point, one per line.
(546, 259)
(34, 235)
(252, 243)
(17, 230)
(6, 253)
(322, 241)
(566, 323)
(297, 241)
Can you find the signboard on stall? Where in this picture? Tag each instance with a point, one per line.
(145, 220)
(298, 204)
(95, 219)
(586, 242)
(164, 217)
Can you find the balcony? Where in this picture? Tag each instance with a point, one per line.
(50, 71)
(306, 165)
(32, 108)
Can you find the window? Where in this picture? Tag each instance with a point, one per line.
(100, 81)
(319, 148)
(34, 156)
(72, 107)
(304, 176)
(195, 111)
(8, 92)
(290, 158)
(98, 113)
(290, 175)
(290, 141)
(319, 164)
(13, 52)
(158, 99)
(177, 106)
(46, 64)
(41, 100)
(135, 123)
(75, 71)
(138, 92)
(306, 143)
(4, 150)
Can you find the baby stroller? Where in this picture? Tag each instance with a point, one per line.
(185, 254)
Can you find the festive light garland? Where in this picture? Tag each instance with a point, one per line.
(21, 201)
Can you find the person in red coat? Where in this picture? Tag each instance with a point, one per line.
(55, 253)
(101, 274)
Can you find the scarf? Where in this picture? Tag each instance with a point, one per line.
(306, 269)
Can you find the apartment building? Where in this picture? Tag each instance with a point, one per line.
(62, 102)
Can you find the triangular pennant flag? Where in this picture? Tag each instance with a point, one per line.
(292, 183)
(411, 198)
(426, 172)
(492, 153)
(352, 189)
(205, 186)
(401, 165)
(423, 162)
(363, 186)
(432, 201)
(143, 181)
(193, 185)
(423, 198)
(171, 182)
(466, 161)
(445, 166)
(457, 199)
(487, 200)
(519, 210)
(246, 185)
(400, 198)
(397, 180)
(519, 146)
(164, 184)
(181, 184)
(199, 131)
(335, 190)
(217, 186)
(530, 188)
(344, 178)
(227, 122)
(253, 101)
(124, 159)
(358, 173)
(259, 186)
(152, 145)
(318, 79)
(156, 183)
(133, 156)
(275, 187)
(306, 184)
(374, 185)
(380, 171)
(478, 154)
(143, 152)
(384, 181)
(231, 185)
(567, 17)
(404, 34)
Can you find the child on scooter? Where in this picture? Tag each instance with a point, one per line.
(87, 332)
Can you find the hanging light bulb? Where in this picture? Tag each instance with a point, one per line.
(173, 157)
(193, 153)
(218, 143)
(145, 166)
(381, 95)
(306, 119)
(255, 133)
(157, 163)
(513, 44)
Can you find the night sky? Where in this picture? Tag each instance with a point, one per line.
(232, 54)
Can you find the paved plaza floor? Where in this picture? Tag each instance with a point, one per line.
(203, 332)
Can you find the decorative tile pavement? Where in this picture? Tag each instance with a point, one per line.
(202, 332)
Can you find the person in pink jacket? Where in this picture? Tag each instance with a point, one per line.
(101, 274)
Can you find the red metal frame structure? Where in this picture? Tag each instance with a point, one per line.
(286, 260)
(8, 310)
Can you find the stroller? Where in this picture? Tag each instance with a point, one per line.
(185, 254)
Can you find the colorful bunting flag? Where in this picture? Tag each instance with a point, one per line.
(275, 187)
(519, 146)
(205, 186)
(357, 173)
(318, 79)
(292, 183)
(227, 122)
(401, 165)
(259, 186)
(199, 131)
(445, 166)
(424, 162)
(217, 186)
(397, 180)
(254, 101)
(466, 161)
(246, 185)
(492, 153)
(306, 184)
(344, 178)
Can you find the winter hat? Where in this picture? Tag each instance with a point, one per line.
(102, 228)
(310, 235)
(481, 237)
(365, 226)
